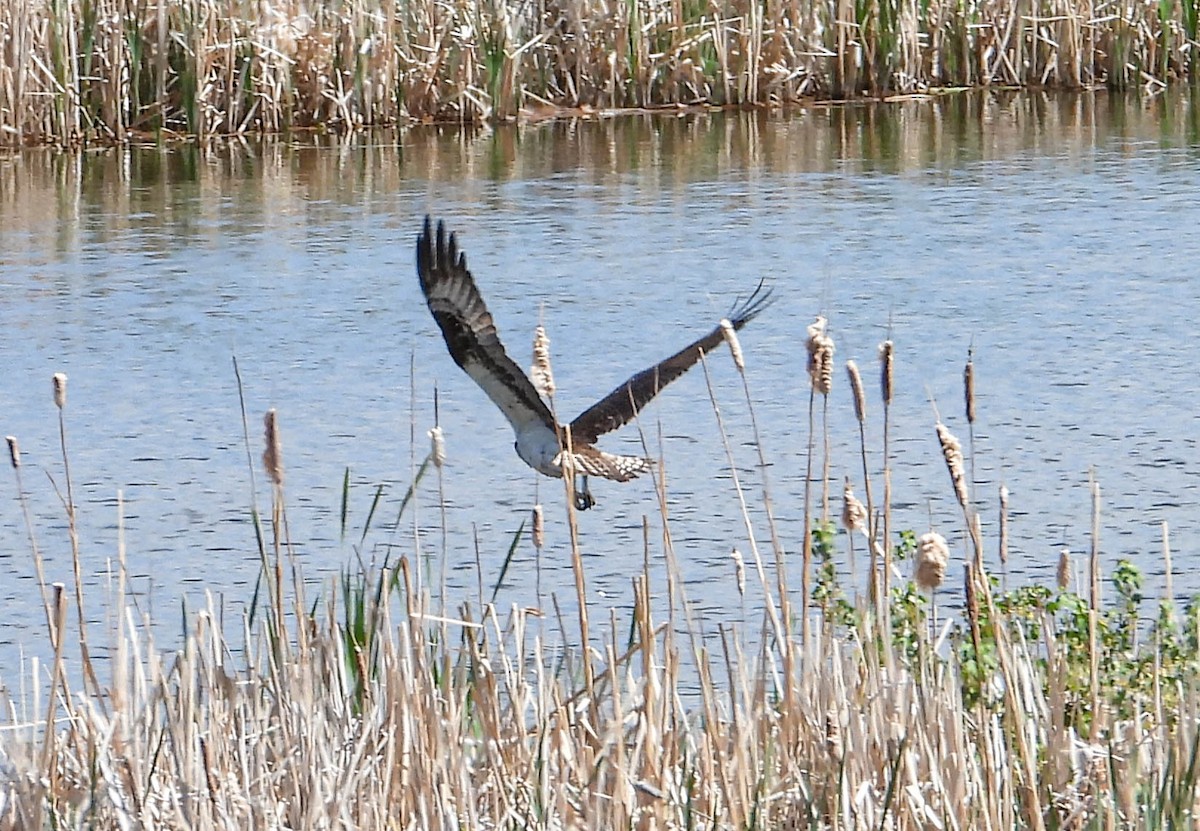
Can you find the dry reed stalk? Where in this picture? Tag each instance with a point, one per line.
(14, 455)
(860, 413)
(59, 383)
(1168, 570)
(780, 622)
(1094, 608)
(785, 600)
(1003, 553)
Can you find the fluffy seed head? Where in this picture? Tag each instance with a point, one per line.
(14, 451)
(60, 389)
(932, 556)
(856, 386)
(731, 338)
(1064, 569)
(886, 350)
(952, 452)
(437, 449)
(854, 514)
(539, 526)
(273, 456)
(820, 356)
(543, 376)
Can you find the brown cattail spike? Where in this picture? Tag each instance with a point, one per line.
(273, 455)
(820, 356)
(952, 452)
(1004, 525)
(437, 450)
(833, 735)
(731, 338)
(856, 387)
(543, 375)
(739, 571)
(969, 387)
(1063, 576)
(539, 526)
(886, 352)
(60, 390)
(932, 556)
(14, 451)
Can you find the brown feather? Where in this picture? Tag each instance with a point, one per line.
(468, 328)
(623, 403)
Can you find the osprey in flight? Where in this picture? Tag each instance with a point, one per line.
(542, 443)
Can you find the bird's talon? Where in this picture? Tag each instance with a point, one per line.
(584, 498)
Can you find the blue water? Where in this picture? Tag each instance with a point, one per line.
(1054, 236)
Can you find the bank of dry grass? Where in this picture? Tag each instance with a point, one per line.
(72, 70)
(374, 707)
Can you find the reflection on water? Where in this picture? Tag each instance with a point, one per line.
(1053, 233)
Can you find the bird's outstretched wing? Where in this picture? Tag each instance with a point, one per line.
(623, 403)
(470, 334)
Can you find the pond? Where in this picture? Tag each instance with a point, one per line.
(1054, 236)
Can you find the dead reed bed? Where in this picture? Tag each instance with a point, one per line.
(112, 70)
(372, 707)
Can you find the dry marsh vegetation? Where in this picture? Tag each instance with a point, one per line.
(111, 70)
(375, 706)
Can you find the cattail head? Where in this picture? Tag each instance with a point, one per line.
(1064, 569)
(739, 571)
(886, 350)
(820, 356)
(543, 376)
(437, 449)
(539, 526)
(731, 338)
(856, 387)
(833, 734)
(969, 388)
(60, 389)
(932, 556)
(273, 456)
(854, 515)
(14, 451)
(1004, 525)
(952, 452)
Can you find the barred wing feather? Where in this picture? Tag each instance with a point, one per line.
(623, 403)
(470, 332)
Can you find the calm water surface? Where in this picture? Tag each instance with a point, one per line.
(1055, 235)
